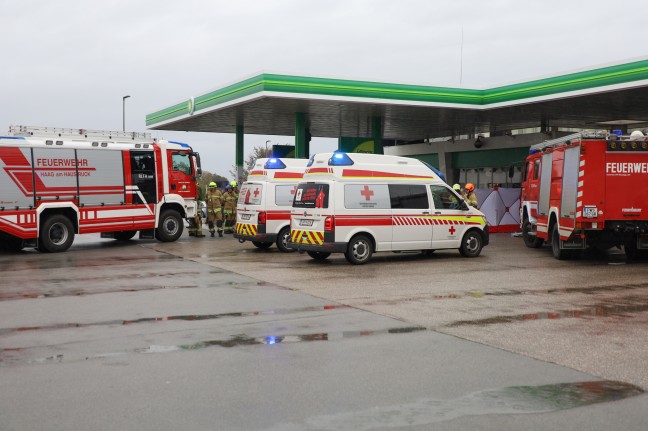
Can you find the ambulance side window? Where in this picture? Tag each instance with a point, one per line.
(285, 194)
(366, 196)
(408, 196)
(446, 199)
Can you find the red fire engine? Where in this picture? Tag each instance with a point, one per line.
(586, 190)
(58, 182)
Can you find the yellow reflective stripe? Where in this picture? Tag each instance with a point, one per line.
(246, 229)
(307, 237)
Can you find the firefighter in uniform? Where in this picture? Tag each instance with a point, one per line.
(471, 197)
(229, 209)
(214, 209)
(195, 224)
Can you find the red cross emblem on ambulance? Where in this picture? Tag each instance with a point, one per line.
(367, 193)
(452, 230)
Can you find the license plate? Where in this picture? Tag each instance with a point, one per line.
(304, 222)
(590, 212)
(246, 216)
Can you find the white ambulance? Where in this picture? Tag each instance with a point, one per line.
(358, 204)
(265, 201)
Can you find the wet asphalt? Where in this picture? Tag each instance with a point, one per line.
(212, 334)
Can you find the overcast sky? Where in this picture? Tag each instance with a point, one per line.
(67, 63)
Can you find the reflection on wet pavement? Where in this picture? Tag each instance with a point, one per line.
(503, 293)
(637, 305)
(189, 317)
(509, 400)
(12, 355)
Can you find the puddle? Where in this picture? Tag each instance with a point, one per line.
(242, 340)
(187, 317)
(12, 356)
(504, 401)
(596, 311)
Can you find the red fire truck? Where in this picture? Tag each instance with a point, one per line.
(586, 191)
(55, 183)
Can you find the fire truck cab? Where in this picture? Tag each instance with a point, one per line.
(265, 201)
(358, 204)
(56, 183)
(586, 190)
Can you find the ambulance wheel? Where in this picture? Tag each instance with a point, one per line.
(170, 227)
(282, 240)
(124, 235)
(318, 255)
(471, 244)
(359, 250)
(531, 241)
(56, 234)
(558, 253)
(262, 245)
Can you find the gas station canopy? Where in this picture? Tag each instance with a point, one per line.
(270, 104)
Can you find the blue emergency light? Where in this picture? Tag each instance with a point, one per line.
(340, 159)
(274, 163)
(617, 132)
(182, 144)
(311, 161)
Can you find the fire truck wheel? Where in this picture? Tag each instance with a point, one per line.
(318, 255)
(531, 241)
(359, 250)
(124, 235)
(471, 244)
(558, 253)
(282, 241)
(56, 234)
(262, 245)
(170, 227)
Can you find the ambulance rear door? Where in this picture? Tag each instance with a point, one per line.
(250, 202)
(312, 214)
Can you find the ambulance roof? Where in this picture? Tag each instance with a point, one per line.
(363, 167)
(278, 169)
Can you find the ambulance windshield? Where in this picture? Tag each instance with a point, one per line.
(250, 194)
(311, 195)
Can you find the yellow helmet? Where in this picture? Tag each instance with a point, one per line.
(212, 184)
(233, 183)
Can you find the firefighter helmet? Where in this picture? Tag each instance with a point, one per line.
(233, 183)
(456, 187)
(212, 185)
(228, 187)
(636, 136)
(470, 187)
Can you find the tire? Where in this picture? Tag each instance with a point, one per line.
(124, 235)
(318, 255)
(262, 245)
(531, 241)
(558, 253)
(56, 234)
(359, 250)
(170, 227)
(282, 240)
(471, 244)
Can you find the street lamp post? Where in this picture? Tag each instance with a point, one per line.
(124, 112)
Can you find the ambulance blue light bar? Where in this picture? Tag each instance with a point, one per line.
(311, 161)
(274, 163)
(340, 159)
